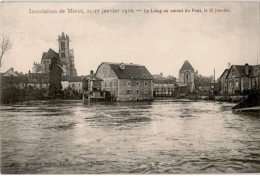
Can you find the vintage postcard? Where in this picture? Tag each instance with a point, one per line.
(130, 87)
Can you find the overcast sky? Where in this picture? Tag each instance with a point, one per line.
(161, 42)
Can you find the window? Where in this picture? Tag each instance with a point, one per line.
(145, 83)
(236, 83)
(105, 85)
(73, 85)
(137, 83)
(122, 66)
(114, 92)
(128, 92)
(137, 92)
(79, 84)
(62, 54)
(145, 91)
(108, 75)
(114, 84)
(62, 44)
(128, 83)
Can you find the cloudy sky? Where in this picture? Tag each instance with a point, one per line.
(161, 42)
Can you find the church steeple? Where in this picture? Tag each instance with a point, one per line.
(65, 55)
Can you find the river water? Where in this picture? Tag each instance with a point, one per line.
(147, 137)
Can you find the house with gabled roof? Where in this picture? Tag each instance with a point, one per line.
(11, 72)
(13, 78)
(242, 78)
(126, 82)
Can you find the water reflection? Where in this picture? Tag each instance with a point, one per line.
(152, 137)
(124, 115)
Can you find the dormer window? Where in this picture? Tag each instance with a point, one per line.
(122, 66)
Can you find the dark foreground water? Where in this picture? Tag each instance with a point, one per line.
(157, 137)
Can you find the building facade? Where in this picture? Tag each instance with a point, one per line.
(38, 80)
(92, 87)
(187, 75)
(242, 79)
(163, 87)
(126, 82)
(223, 82)
(75, 83)
(254, 76)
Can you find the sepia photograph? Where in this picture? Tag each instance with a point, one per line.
(130, 87)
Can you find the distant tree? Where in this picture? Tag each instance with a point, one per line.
(6, 45)
(55, 78)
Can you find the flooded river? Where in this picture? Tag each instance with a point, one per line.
(146, 137)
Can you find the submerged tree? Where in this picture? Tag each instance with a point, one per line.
(55, 78)
(6, 45)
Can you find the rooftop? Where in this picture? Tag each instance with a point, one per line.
(186, 66)
(131, 71)
(50, 54)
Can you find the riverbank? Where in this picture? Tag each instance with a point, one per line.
(223, 98)
(230, 99)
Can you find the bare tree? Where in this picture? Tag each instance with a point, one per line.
(6, 45)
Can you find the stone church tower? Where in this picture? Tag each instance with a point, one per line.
(66, 55)
(187, 75)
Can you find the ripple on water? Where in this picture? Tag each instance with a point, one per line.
(152, 137)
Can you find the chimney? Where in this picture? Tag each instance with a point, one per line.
(229, 65)
(91, 74)
(246, 69)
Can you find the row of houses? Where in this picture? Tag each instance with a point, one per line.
(127, 82)
(38, 80)
(124, 82)
(239, 79)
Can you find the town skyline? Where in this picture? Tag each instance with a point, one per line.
(160, 42)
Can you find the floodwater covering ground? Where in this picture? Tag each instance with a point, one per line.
(63, 137)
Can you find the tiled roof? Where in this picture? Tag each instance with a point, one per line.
(255, 71)
(186, 66)
(75, 79)
(50, 54)
(164, 81)
(65, 78)
(242, 71)
(88, 77)
(131, 71)
(227, 70)
(181, 84)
